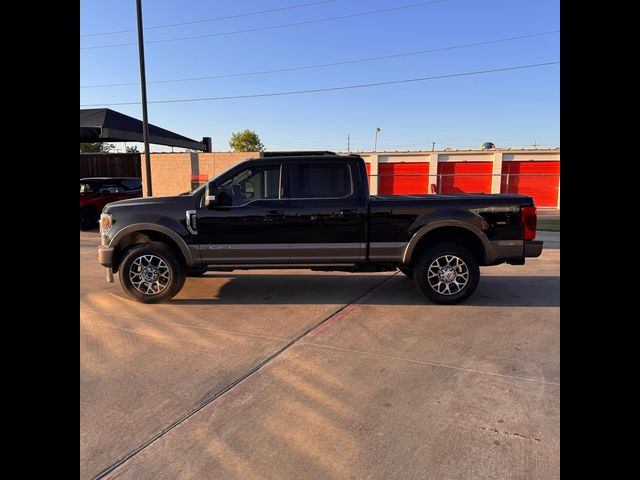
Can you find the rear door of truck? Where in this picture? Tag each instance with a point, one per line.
(326, 215)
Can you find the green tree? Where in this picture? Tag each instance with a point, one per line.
(247, 141)
(97, 147)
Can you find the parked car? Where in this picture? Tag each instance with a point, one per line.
(313, 212)
(96, 192)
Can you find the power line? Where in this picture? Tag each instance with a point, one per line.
(215, 19)
(271, 27)
(476, 139)
(322, 65)
(318, 90)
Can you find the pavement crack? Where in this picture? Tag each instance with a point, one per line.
(512, 434)
(237, 381)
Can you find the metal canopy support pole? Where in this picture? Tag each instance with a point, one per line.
(143, 86)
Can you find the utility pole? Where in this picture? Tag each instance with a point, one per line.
(143, 86)
(375, 143)
(348, 142)
(534, 144)
(433, 146)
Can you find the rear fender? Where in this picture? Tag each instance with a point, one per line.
(469, 221)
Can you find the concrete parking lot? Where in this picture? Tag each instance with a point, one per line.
(298, 374)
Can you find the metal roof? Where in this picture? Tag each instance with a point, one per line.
(106, 125)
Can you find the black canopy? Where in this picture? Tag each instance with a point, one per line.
(106, 125)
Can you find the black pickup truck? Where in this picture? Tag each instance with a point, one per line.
(312, 212)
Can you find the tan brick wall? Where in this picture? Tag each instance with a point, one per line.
(214, 163)
(171, 172)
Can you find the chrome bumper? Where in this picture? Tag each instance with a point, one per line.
(105, 258)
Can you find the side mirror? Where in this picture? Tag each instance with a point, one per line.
(209, 200)
(220, 199)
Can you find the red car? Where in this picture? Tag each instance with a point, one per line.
(96, 192)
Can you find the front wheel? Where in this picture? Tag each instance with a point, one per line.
(151, 273)
(447, 273)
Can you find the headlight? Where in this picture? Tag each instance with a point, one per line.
(105, 222)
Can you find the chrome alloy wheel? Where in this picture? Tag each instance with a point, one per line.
(448, 275)
(149, 274)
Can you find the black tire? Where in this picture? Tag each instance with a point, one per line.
(444, 288)
(89, 218)
(196, 273)
(149, 256)
(407, 271)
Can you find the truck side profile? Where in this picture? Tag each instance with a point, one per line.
(313, 212)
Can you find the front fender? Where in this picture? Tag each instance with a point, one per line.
(189, 252)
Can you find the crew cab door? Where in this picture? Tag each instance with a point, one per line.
(247, 224)
(326, 214)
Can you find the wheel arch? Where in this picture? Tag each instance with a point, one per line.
(454, 231)
(141, 233)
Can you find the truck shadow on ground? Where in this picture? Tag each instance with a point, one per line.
(268, 289)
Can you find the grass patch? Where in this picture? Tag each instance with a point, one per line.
(548, 225)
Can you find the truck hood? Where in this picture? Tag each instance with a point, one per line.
(143, 201)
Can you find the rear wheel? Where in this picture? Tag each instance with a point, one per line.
(88, 218)
(447, 273)
(151, 273)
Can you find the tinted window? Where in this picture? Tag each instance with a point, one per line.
(111, 187)
(254, 183)
(132, 184)
(321, 180)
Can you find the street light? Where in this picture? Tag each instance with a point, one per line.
(375, 143)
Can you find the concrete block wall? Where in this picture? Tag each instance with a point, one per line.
(171, 173)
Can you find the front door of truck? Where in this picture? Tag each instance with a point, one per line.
(326, 216)
(247, 224)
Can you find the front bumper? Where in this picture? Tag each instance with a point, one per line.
(533, 248)
(105, 256)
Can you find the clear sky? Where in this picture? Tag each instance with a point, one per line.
(511, 108)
